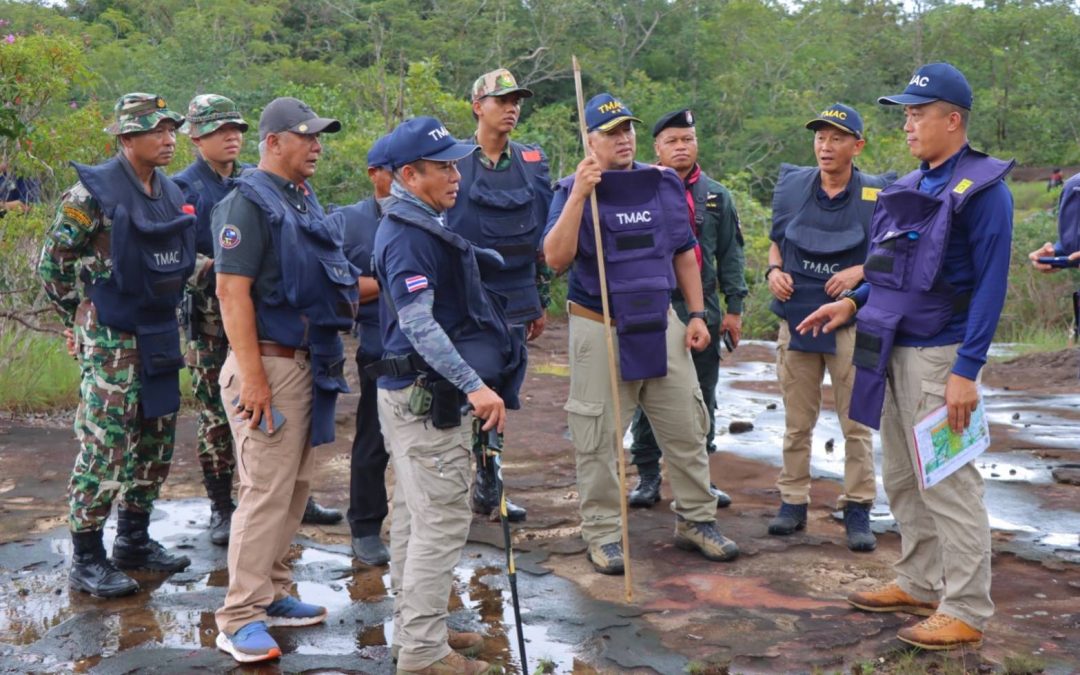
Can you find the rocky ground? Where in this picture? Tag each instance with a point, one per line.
(778, 609)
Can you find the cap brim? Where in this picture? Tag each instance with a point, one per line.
(317, 125)
(906, 99)
(813, 125)
(611, 124)
(210, 127)
(525, 93)
(453, 153)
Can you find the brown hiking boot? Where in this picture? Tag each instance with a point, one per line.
(706, 538)
(466, 644)
(939, 632)
(606, 558)
(452, 664)
(890, 598)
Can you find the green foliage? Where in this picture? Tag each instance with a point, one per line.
(36, 372)
(1022, 664)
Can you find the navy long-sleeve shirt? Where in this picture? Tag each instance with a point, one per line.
(976, 262)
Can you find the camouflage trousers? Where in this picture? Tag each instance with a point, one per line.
(121, 451)
(205, 356)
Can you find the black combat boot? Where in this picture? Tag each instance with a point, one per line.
(134, 549)
(647, 491)
(219, 490)
(485, 496)
(857, 524)
(314, 514)
(93, 573)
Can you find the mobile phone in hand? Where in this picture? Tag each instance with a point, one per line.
(279, 419)
(729, 342)
(1059, 261)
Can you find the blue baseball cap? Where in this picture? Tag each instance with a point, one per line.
(604, 112)
(934, 82)
(377, 156)
(424, 138)
(843, 117)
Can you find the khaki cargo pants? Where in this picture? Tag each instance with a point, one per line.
(944, 530)
(675, 408)
(429, 523)
(801, 375)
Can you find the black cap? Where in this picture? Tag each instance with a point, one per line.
(680, 119)
(286, 113)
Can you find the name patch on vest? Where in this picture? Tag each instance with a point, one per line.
(962, 186)
(531, 155)
(167, 258)
(634, 217)
(229, 237)
(820, 267)
(869, 194)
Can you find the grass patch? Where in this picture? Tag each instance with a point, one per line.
(1022, 664)
(1033, 196)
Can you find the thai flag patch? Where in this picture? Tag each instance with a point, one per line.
(417, 283)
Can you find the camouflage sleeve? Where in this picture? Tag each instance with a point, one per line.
(544, 276)
(417, 322)
(66, 243)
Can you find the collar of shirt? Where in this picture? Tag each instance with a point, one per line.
(501, 164)
(933, 180)
(693, 177)
(236, 169)
(155, 184)
(824, 198)
(398, 191)
(294, 194)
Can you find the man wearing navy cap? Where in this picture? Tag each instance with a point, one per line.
(286, 292)
(936, 273)
(720, 258)
(505, 193)
(449, 356)
(820, 235)
(367, 483)
(648, 246)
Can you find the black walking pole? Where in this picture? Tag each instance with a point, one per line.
(492, 444)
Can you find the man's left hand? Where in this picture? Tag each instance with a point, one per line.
(844, 280)
(697, 335)
(535, 327)
(961, 397)
(732, 324)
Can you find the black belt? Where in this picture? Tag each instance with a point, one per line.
(406, 365)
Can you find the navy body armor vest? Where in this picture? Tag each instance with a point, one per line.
(909, 236)
(204, 189)
(317, 296)
(644, 219)
(476, 322)
(501, 210)
(152, 247)
(819, 241)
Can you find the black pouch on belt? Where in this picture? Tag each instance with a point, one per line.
(446, 401)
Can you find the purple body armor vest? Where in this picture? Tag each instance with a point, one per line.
(908, 239)
(644, 218)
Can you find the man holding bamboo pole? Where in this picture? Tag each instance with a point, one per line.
(647, 247)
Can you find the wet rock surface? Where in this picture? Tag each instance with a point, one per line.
(779, 608)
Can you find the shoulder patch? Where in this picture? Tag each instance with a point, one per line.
(416, 283)
(531, 155)
(77, 215)
(962, 186)
(869, 194)
(229, 237)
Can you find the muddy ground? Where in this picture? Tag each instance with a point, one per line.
(778, 609)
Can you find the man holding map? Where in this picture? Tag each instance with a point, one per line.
(937, 273)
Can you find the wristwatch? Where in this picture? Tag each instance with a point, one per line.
(770, 269)
(696, 315)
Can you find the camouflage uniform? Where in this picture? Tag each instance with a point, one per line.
(207, 346)
(121, 451)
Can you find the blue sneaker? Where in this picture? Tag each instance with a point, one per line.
(289, 611)
(250, 643)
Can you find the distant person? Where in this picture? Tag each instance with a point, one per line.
(17, 194)
(1068, 243)
(936, 274)
(820, 235)
(1056, 179)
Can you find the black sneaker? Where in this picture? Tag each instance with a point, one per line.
(792, 517)
(647, 491)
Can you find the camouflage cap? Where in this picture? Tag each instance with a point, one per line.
(209, 112)
(138, 112)
(497, 83)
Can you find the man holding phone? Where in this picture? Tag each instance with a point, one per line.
(1065, 252)
(286, 291)
(720, 258)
